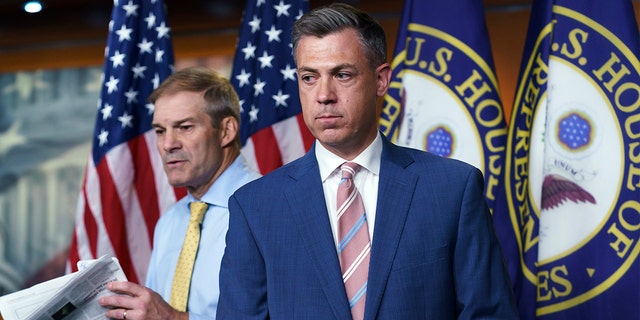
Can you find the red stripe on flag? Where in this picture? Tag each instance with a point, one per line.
(90, 227)
(266, 148)
(73, 253)
(144, 179)
(180, 192)
(114, 220)
(307, 137)
(90, 230)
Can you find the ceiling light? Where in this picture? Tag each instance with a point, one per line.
(33, 6)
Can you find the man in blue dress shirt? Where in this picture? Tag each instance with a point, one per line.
(196, 121)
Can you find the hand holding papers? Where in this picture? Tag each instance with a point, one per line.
(73, 296)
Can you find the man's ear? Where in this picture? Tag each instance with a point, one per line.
(228, 130)
(383, 73)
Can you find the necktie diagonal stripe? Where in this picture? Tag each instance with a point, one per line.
(359, 224)
(356, 263)
(354, 244)
(358, 295)
(346, 204)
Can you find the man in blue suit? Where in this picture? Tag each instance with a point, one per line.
(429, 252)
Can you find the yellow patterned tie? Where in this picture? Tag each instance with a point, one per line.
(182, 277)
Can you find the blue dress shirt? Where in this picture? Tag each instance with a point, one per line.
(170, 232)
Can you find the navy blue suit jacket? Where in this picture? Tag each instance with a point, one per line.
(434, 253)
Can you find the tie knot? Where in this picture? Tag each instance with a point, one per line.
(198, 210)
(349, 169)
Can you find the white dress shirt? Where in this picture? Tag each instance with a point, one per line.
(366, 180)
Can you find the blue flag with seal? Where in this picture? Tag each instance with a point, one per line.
(443, 96)
(571, 208)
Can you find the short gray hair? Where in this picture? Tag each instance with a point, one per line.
(337, 17)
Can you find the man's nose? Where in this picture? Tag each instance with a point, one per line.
(170, 141)
(326, 91)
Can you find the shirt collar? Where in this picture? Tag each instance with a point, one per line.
(220, 191)
(369, 158)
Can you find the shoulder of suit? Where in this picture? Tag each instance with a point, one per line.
(423, 158)
(270, 179)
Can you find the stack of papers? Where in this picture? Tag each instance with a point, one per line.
(73, 296)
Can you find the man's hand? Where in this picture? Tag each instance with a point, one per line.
(137, 302)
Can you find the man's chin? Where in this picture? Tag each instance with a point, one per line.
(177, 182)
(331, 137)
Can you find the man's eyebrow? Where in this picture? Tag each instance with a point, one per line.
(307, 69)
(333, 69)
(343, 66)
(173, 123)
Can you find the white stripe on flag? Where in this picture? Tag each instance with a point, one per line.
(249, 154)
(82, 240)
(95, 205)
(121, 168)
(289, 139)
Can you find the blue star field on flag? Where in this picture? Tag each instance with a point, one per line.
(264, 75)
(139, 55)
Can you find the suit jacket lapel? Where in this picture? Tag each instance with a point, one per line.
(395, 190)
(310, 214)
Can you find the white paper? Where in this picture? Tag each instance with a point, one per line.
(73, 296)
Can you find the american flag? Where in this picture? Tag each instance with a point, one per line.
(272, 129)
(125, 188)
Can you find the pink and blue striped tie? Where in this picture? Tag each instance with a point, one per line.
(354, 244)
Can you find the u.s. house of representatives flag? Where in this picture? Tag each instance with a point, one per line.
(572, 170)
(125, 188)
(272, 130)
(443, 96)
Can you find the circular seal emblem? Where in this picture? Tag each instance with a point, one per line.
(443, 98)
(572, 164)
